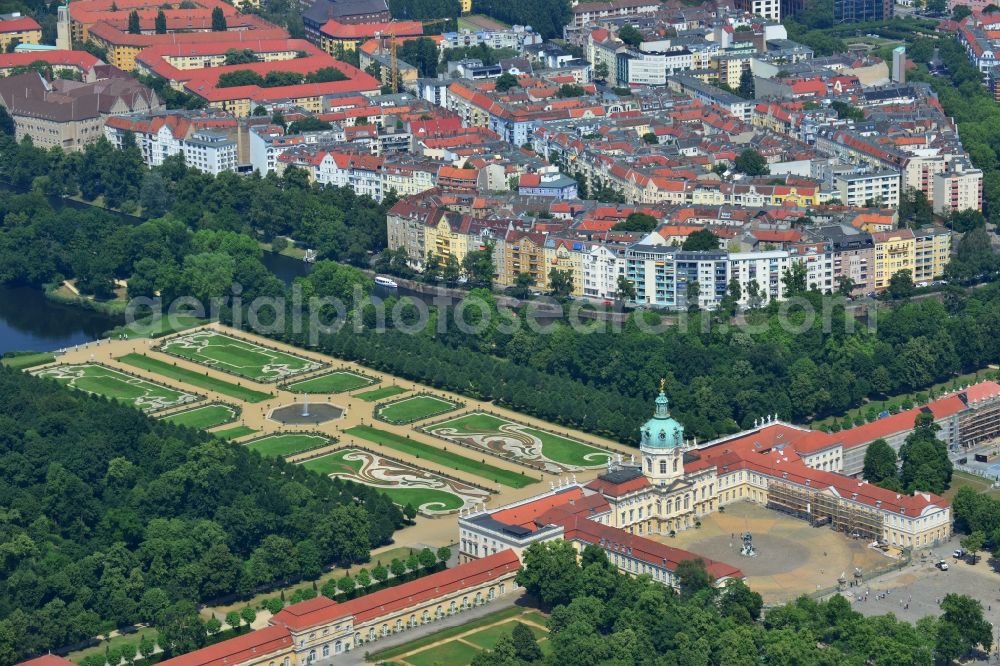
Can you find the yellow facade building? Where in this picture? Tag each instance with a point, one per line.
(894, 251)
(19, 29)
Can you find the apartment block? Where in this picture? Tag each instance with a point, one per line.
(894, 251)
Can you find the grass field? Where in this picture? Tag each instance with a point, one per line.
(443, 458)
(110, 383)
(208, 416)
(417, 487)
(961, 479)
(507, 438)
(154, 327)
(22, 361)
(437, 636)
(380, 393)
(452, 653)
(414, 408)
(276, 446)
(239, 357)
(488, 637)
(193, 378)
(234, 433)
(334, 382)
(463, 646)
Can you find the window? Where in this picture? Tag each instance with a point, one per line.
(663, 467)
(326, 650)
(675, 464)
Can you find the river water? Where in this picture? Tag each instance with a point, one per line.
(31, 322)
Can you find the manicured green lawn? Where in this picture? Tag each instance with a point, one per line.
(961, 479)
(193, 378)
(334, 382)
(380, 393)
(414, 408)
(444, 458)
(474, 422)
(22, 361)
(554, 447)
(113, 643)
(334, 463)
(110, 383)
(568, 451)
(383, 655)
(154, 328)
(208, 416)
(234, 433)
(287, 444)
(240, 357)
(487, 638)
(452, 653)
(535, 616)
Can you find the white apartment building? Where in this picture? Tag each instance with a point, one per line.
(269, 142)
(517, 37)
(769, 9)
(959, 188)
(763, 268)
(159, 137)
(601, 270)
(651, 68)
(858, 188)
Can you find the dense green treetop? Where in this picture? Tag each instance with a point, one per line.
(109, 517)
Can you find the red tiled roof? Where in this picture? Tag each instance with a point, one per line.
(901, 422)
(339, 30)
(321, 610)
(79, 59)
(47, 660)
(21, 24)
(244, 648)
(982, 391)
(253, 28)
(646, 550)
(525, 515)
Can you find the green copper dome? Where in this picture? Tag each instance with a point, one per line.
(662, 431)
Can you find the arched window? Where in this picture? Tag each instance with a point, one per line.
(338, 647)
(326, 649)
(385, 629)
(663, 467)
(312, 657)
(649, 464)
(675, 464)
(492, 594)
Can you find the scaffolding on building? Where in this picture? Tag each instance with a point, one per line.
(821, 508)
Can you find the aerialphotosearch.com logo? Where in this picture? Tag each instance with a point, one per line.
(473, 315)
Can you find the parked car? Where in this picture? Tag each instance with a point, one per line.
(942, 565)
(958, 554)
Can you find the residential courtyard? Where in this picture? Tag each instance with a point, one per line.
(792, 559)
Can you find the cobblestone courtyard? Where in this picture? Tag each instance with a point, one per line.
(792, 557)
